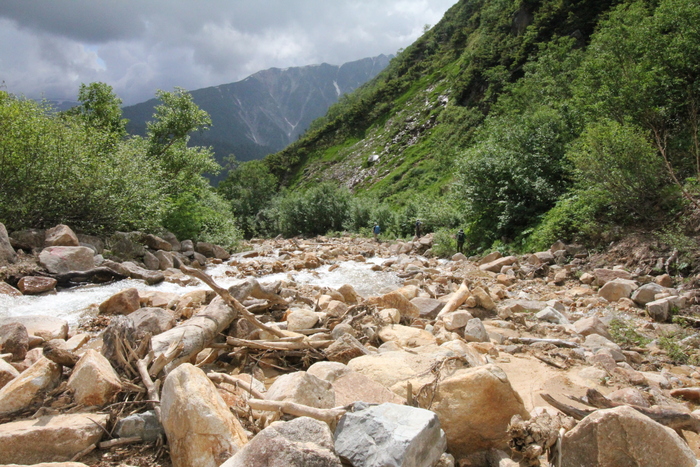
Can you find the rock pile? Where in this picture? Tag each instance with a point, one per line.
(464, 364)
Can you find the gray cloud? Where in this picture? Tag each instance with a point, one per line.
(49, 48)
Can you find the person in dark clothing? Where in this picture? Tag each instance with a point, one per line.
(460, 240)
(418, 227)
(376, 231)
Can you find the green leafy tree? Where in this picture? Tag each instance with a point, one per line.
(100, 108)
(250, 188)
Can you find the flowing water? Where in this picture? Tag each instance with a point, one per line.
(79, 302)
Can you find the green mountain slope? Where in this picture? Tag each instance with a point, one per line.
(402, 130)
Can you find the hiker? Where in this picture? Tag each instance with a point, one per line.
(460, 240)
(418, 226)
(376, 231)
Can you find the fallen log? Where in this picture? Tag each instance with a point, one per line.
(234, 304)
(99, 275)
(457, 299)
(534, 340)
(278, 345)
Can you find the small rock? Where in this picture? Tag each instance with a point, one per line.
(475, 331)
(456, 320)
(34, 285)
(551, 315)
(406, 336)
(7, 289)
(301, 319)
(646, 293)
(349, 294)
(592, 325)
(61, 235)
(121, 303)
(664, 280)
(495, 266)
(7, 373)
(616, 289)
(396, 300)
(152, 320)
(428, 308)
(302, 388)
(144, 425)
(14, 339)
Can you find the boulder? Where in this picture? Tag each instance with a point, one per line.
(14, 339)
(551, 315)
(126, 245)
(592, 325)
(390, 435)
(150, 261)
(301, 319)
(134, 271)
(7, 253)
(61, 235)
(495, 266)
(350, 386)
(475, 331)
(93, 380)
(54, 438)
(212, 251)
(474, 406)
(34, 285)
(603, 275)
(96, 243)
(156, 243)
(302, 388)
(491, 257)
(647, 293)
(349, 294)
(406, 336)
(394, 369)
(46, 327)
(152, 320)
(616, 289)
(483, 299)
(143, 425)
(201, 430)
(7, 289)
(172, 239)
(659, 310)
(7, 373)
(396, 300)
(121, 303)
(62, 259)
(165, 260)
(428, 308)
(344, 349)
(336, 308)
(299, 442)
(27, 240)
(456, 319)
(623, 436)
(19, 393)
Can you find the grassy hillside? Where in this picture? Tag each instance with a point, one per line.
(530, 120)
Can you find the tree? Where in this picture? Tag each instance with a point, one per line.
(100, 108)
(168, 135)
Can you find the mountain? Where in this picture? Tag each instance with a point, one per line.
(268, 110)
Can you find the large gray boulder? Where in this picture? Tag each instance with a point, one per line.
(300, 442)
(624, 437)
(647, 293)
(390, 435)
(61, 259)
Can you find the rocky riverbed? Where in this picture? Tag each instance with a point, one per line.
(273, 357)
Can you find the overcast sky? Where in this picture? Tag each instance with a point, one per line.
(49, 47)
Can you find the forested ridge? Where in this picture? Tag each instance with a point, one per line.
(522, 122)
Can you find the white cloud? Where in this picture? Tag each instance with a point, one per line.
(49, 48)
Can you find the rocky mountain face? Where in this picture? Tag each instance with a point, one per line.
(265, 112)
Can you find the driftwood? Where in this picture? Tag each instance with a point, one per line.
(119, 442)
(236, 381)
(277, 345)
(533, 340)
(252, 288)
(330, 416)
(234, 304)
(98, 275)
(668, 417)
(457, 299)
(151, 388)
